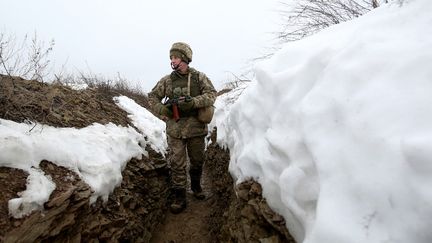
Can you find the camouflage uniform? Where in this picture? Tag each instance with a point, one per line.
(186, 136)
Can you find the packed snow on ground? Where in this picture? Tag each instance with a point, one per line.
(338, 129)
(97, 153)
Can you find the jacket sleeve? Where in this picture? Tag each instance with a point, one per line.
(157, 94)
(208, 92)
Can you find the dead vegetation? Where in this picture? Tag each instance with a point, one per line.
(61, 106)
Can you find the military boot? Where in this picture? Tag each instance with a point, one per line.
(179, 203)
(195, 176)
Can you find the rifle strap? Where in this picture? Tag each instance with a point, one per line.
(188, 85)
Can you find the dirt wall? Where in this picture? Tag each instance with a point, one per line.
(242, 214)
(131, 213)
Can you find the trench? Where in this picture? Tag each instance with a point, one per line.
(202, 220)
(229, 214)
(136, 211)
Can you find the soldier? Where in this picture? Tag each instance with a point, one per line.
(191, 90)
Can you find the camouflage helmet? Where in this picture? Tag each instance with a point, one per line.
(182, 50)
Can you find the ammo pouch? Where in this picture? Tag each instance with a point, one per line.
(205, 114)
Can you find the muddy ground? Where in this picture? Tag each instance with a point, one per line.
(137, 211)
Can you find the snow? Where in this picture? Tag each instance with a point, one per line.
(152, 127)
(337, 128)
(33, 197)
(97, 153)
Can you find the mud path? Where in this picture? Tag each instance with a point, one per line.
(202, 221)
(191, 225)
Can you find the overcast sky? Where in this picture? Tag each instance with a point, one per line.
(133, 37)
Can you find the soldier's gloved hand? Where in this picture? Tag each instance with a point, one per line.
(165, 111)
(186, 104)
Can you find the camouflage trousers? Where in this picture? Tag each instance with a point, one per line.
(181, 150)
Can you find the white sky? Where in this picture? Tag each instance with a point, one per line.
(340, 137)
(133, 37)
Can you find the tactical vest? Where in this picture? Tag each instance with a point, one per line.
(179, 87)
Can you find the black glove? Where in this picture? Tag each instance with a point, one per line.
(186, 104)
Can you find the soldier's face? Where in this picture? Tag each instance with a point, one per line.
(177, 64)
(175, 60)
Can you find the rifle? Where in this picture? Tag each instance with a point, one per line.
(174, 104)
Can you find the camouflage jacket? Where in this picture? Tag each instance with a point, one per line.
(174, 85)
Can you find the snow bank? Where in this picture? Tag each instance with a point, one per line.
(97, 153)
(338, 130)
